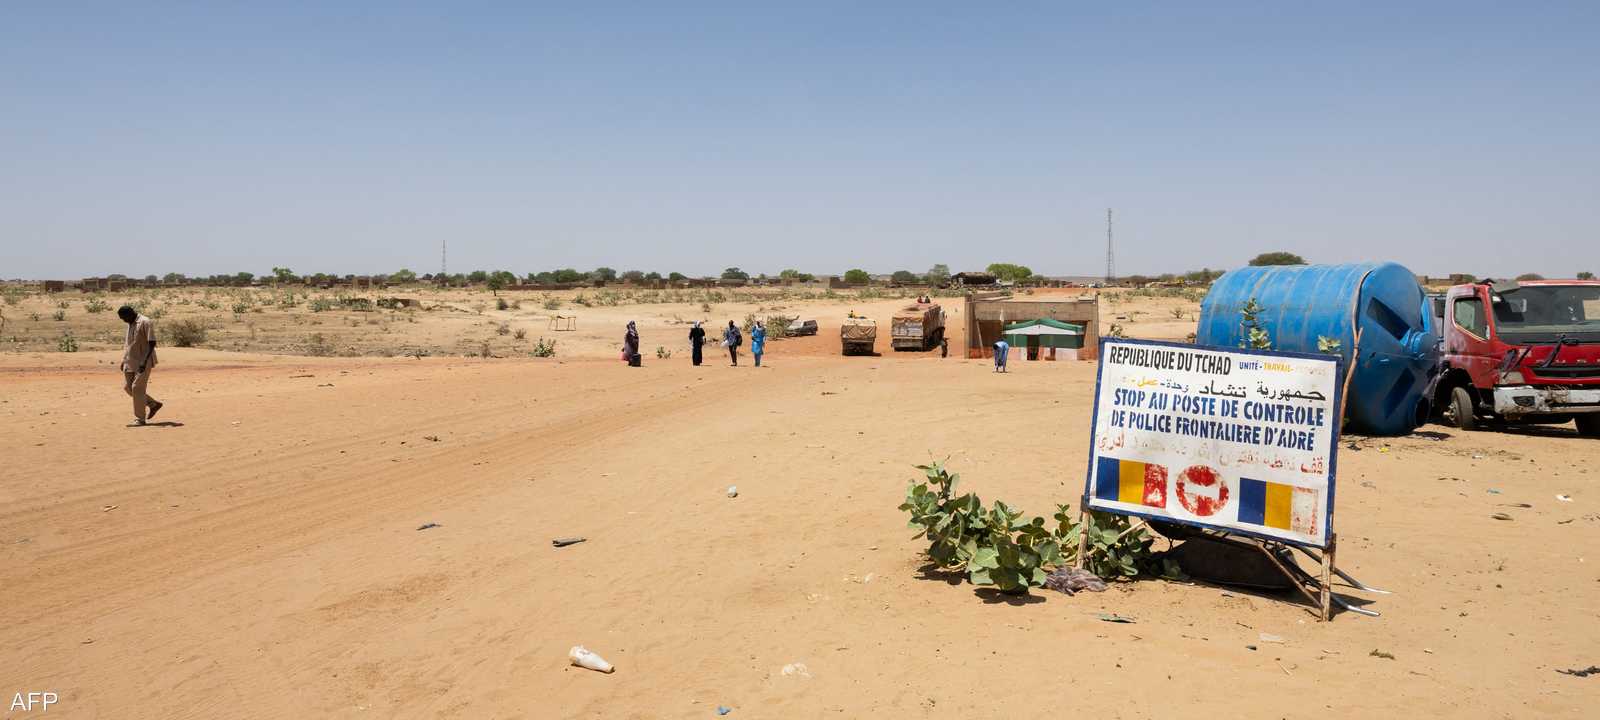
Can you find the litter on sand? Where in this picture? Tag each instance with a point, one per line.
(1115, 618)
(1270, 638)
(1073, 580)
(585, 658)
(1564, 498)
(1586, 672)
(428, 526)
(1500, 516)
(563, 542)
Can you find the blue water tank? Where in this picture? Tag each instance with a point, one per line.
(1399, 343)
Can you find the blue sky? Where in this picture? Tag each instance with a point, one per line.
(354, 137)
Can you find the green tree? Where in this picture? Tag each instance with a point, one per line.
(1586, 275)
(633, 275)
(904, 276)
(1010, 272)
(857, 275)
(734, 273)
(1530, 276)
(244, 278)
(652, 275)
(151, 279)
(603, 273)
(282, 275)
(939, 274)
(477, 276)
(173, 278)
(1277, 258)
(677, 276)
(403, 276)
(796, 275)
(1203, 275)
(499, 279)
(568, 275)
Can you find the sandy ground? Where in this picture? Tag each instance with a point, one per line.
(257, 555)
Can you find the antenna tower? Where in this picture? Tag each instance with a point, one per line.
(443, 267)
(1111, 268)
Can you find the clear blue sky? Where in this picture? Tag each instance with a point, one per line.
(216, 137)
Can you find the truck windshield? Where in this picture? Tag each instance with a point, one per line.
(1543, 313)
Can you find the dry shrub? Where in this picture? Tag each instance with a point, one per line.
(184, 333)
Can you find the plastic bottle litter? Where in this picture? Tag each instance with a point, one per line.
(733, 491)
(582, 657)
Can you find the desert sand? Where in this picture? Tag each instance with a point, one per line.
(257, 554)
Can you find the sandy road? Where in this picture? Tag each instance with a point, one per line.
(262, 559)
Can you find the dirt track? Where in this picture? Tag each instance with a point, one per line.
(260, 557)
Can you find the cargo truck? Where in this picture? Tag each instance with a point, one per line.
(1522, 352)
(917, 327)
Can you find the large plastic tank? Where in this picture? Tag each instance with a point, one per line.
(1399, 343)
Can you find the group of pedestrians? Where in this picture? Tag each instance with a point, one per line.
(732, 339)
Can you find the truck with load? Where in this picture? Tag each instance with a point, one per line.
(917, 327)
(858, 335)
(1522, 352)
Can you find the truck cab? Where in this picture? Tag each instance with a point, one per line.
(1521, 352)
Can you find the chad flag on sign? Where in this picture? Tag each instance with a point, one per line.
(1276, 505)
(1131, 481)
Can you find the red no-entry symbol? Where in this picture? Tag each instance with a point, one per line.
(1201, 491)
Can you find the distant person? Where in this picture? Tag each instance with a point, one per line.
(758, 341)
(138, 359)
(924, 299)
(1001, 350)
(944, 346)
(732, 339)
(630, 345)
(697, 338)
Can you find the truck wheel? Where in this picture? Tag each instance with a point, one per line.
(1589, 425)
(1459, 411)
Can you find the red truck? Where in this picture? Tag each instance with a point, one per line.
(1526, 352)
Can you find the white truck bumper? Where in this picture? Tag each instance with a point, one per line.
(1515, 400)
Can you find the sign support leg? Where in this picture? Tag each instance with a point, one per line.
(1327, 578)
(1083, 535)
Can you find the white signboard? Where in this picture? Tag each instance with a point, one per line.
(1238, 440)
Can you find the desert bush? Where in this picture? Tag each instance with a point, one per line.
(34, 317)
(778, 326)
(318, 346)
(184, 333)
(544, 348)
(13, 296)
(67, 343)
(156, 313)
(997, 547)
(321, 304)
(705, 307)
(1253, 335)
(63, 304)
(501, 304)
(59, 315)
(520, 334)
(210, 304)
(485, 351)
(583, 300)
(503, 329)
(479, 308)
(96, 306)
(662, 352)
(1177, 313)
(552, 304)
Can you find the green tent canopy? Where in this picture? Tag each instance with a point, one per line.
(1045, 333)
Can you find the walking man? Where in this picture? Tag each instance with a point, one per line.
(758, 341)
(733, 339)
(138, 359)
